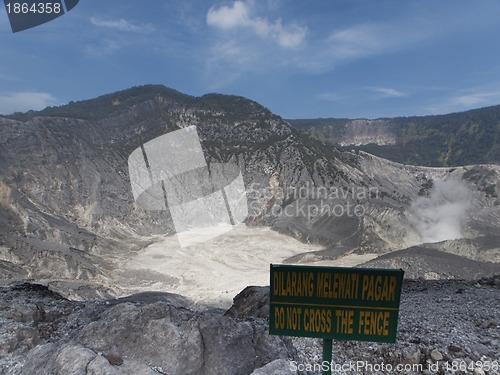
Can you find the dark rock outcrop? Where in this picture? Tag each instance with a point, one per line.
(253, 301)
(42, 333)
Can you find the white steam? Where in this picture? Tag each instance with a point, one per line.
(441, 215)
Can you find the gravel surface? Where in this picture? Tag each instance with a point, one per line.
(445, 327)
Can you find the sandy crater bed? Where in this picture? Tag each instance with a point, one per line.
(213, 272)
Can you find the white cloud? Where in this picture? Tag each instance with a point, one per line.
(360, 41)
(356, 41)
(122, 25)
(466, 99)
(476, 99)
(131, 34)
(291, 38)
(103, 47)
(24, 101)
(239, 16)
(229, 17)
(228, 61)
(388, 92)
(231, 51)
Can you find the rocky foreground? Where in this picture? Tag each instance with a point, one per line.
(445, 327)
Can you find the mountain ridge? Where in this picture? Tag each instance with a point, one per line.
(73, 242)
(66, 204)
(461, 138)
(107, 104)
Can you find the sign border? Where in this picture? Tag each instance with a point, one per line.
(305, 302)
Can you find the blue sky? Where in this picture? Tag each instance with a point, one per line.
(299, 58)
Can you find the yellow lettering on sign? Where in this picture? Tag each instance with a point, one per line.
(379, 288)
(293, 315)
(318, 320)
(374, 323)
(345, 320)
(279, 317)
(337, 285)
(293, 284)
(391, 293)
(320, 285)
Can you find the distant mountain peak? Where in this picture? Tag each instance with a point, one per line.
(104, 105)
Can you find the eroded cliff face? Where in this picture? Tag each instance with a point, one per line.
(347, 132)
(362, 132)
(67, 210)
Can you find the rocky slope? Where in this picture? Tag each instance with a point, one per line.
(64, 184)
(42, 333)
(67, 211)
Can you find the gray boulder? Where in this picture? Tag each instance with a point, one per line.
(182, 341)
(142, 334)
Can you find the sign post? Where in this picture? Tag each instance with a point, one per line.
(359, 304)
(327, 355)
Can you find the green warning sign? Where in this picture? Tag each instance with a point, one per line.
(358, 304)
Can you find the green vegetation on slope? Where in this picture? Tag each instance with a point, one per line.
(470, 137)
